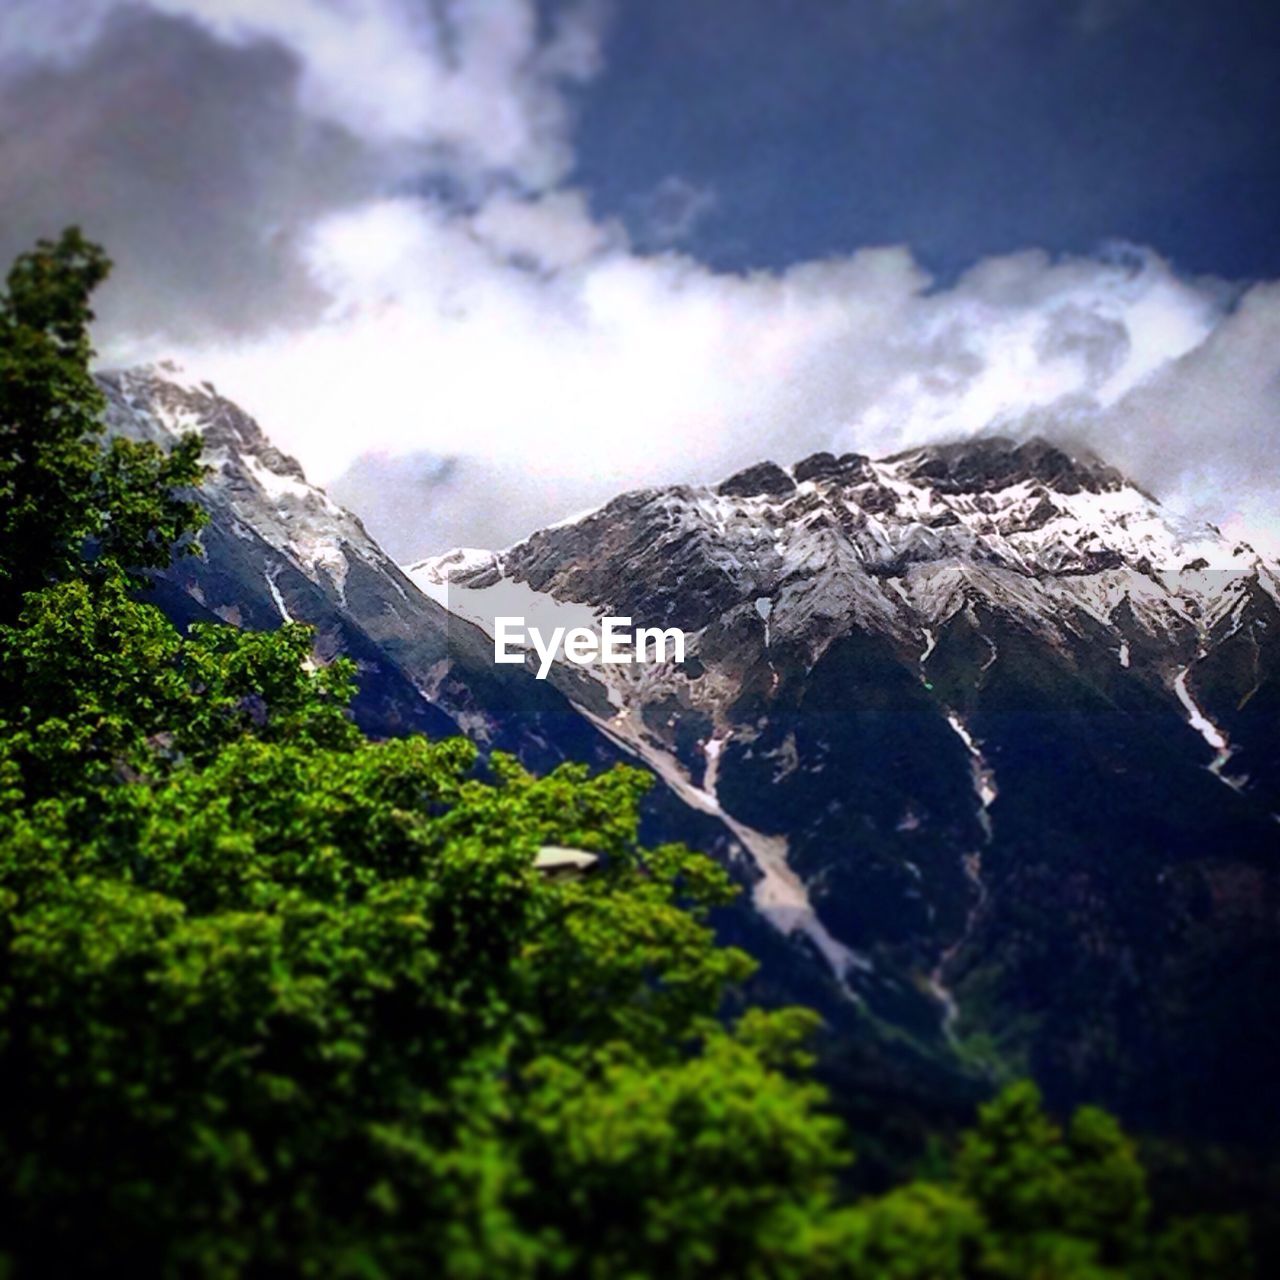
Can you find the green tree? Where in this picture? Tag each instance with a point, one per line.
(67, 504)
(1072, 1202)
(311, 1004)
(276, 999)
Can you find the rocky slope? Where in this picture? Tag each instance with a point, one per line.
(278, 549)
(992, 736)
(989, 738)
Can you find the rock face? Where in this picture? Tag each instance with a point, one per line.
(991, 464)
(762, 480)
(278, 549)
(992, 739)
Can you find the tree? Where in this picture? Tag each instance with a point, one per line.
(275, 994)
(277, 999)
(67, 505)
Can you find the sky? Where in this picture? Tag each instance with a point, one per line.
(479, 264)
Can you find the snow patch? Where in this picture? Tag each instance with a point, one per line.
(1195, 717)
(984, 778)
(1210, 732)
(992, 655)
(779, 895)
(276, 486)
(271, 575)
(930, 644)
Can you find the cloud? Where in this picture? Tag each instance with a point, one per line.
(202, 140)
(671, 212)
(479, 79)
(144, 140)
(359, 219)
(1206, 427)
(572, 376)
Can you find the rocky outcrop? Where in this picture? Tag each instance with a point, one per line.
(990, 738)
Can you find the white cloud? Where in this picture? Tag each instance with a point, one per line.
(605, 369)
(473, 76)
(1206, 428)
(476, 79)
(550, 233)
(513, 330)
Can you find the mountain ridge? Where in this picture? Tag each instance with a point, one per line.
(278, 549)
(965, 619)
(987, 735)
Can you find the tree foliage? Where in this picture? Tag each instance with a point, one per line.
(277, 999)
(70, 507)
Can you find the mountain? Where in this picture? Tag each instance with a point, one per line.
(988, 737)
(994, 738)
(278, 549)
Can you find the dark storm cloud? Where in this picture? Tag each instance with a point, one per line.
(189, 159)
(202, 140)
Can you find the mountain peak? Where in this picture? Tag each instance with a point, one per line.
(765, 479)
(988, 463)
(979, 465)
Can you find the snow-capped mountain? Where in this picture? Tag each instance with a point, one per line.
(277, 548)
(894, 546)
(987, 735)
(992, 736)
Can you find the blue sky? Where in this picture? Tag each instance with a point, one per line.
(964, 129)
(480, 263)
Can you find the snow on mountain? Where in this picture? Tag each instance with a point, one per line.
(278, 549)
(264, 489)
(897, 547)
(986, 734)
(921, 692)
(901, 544)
